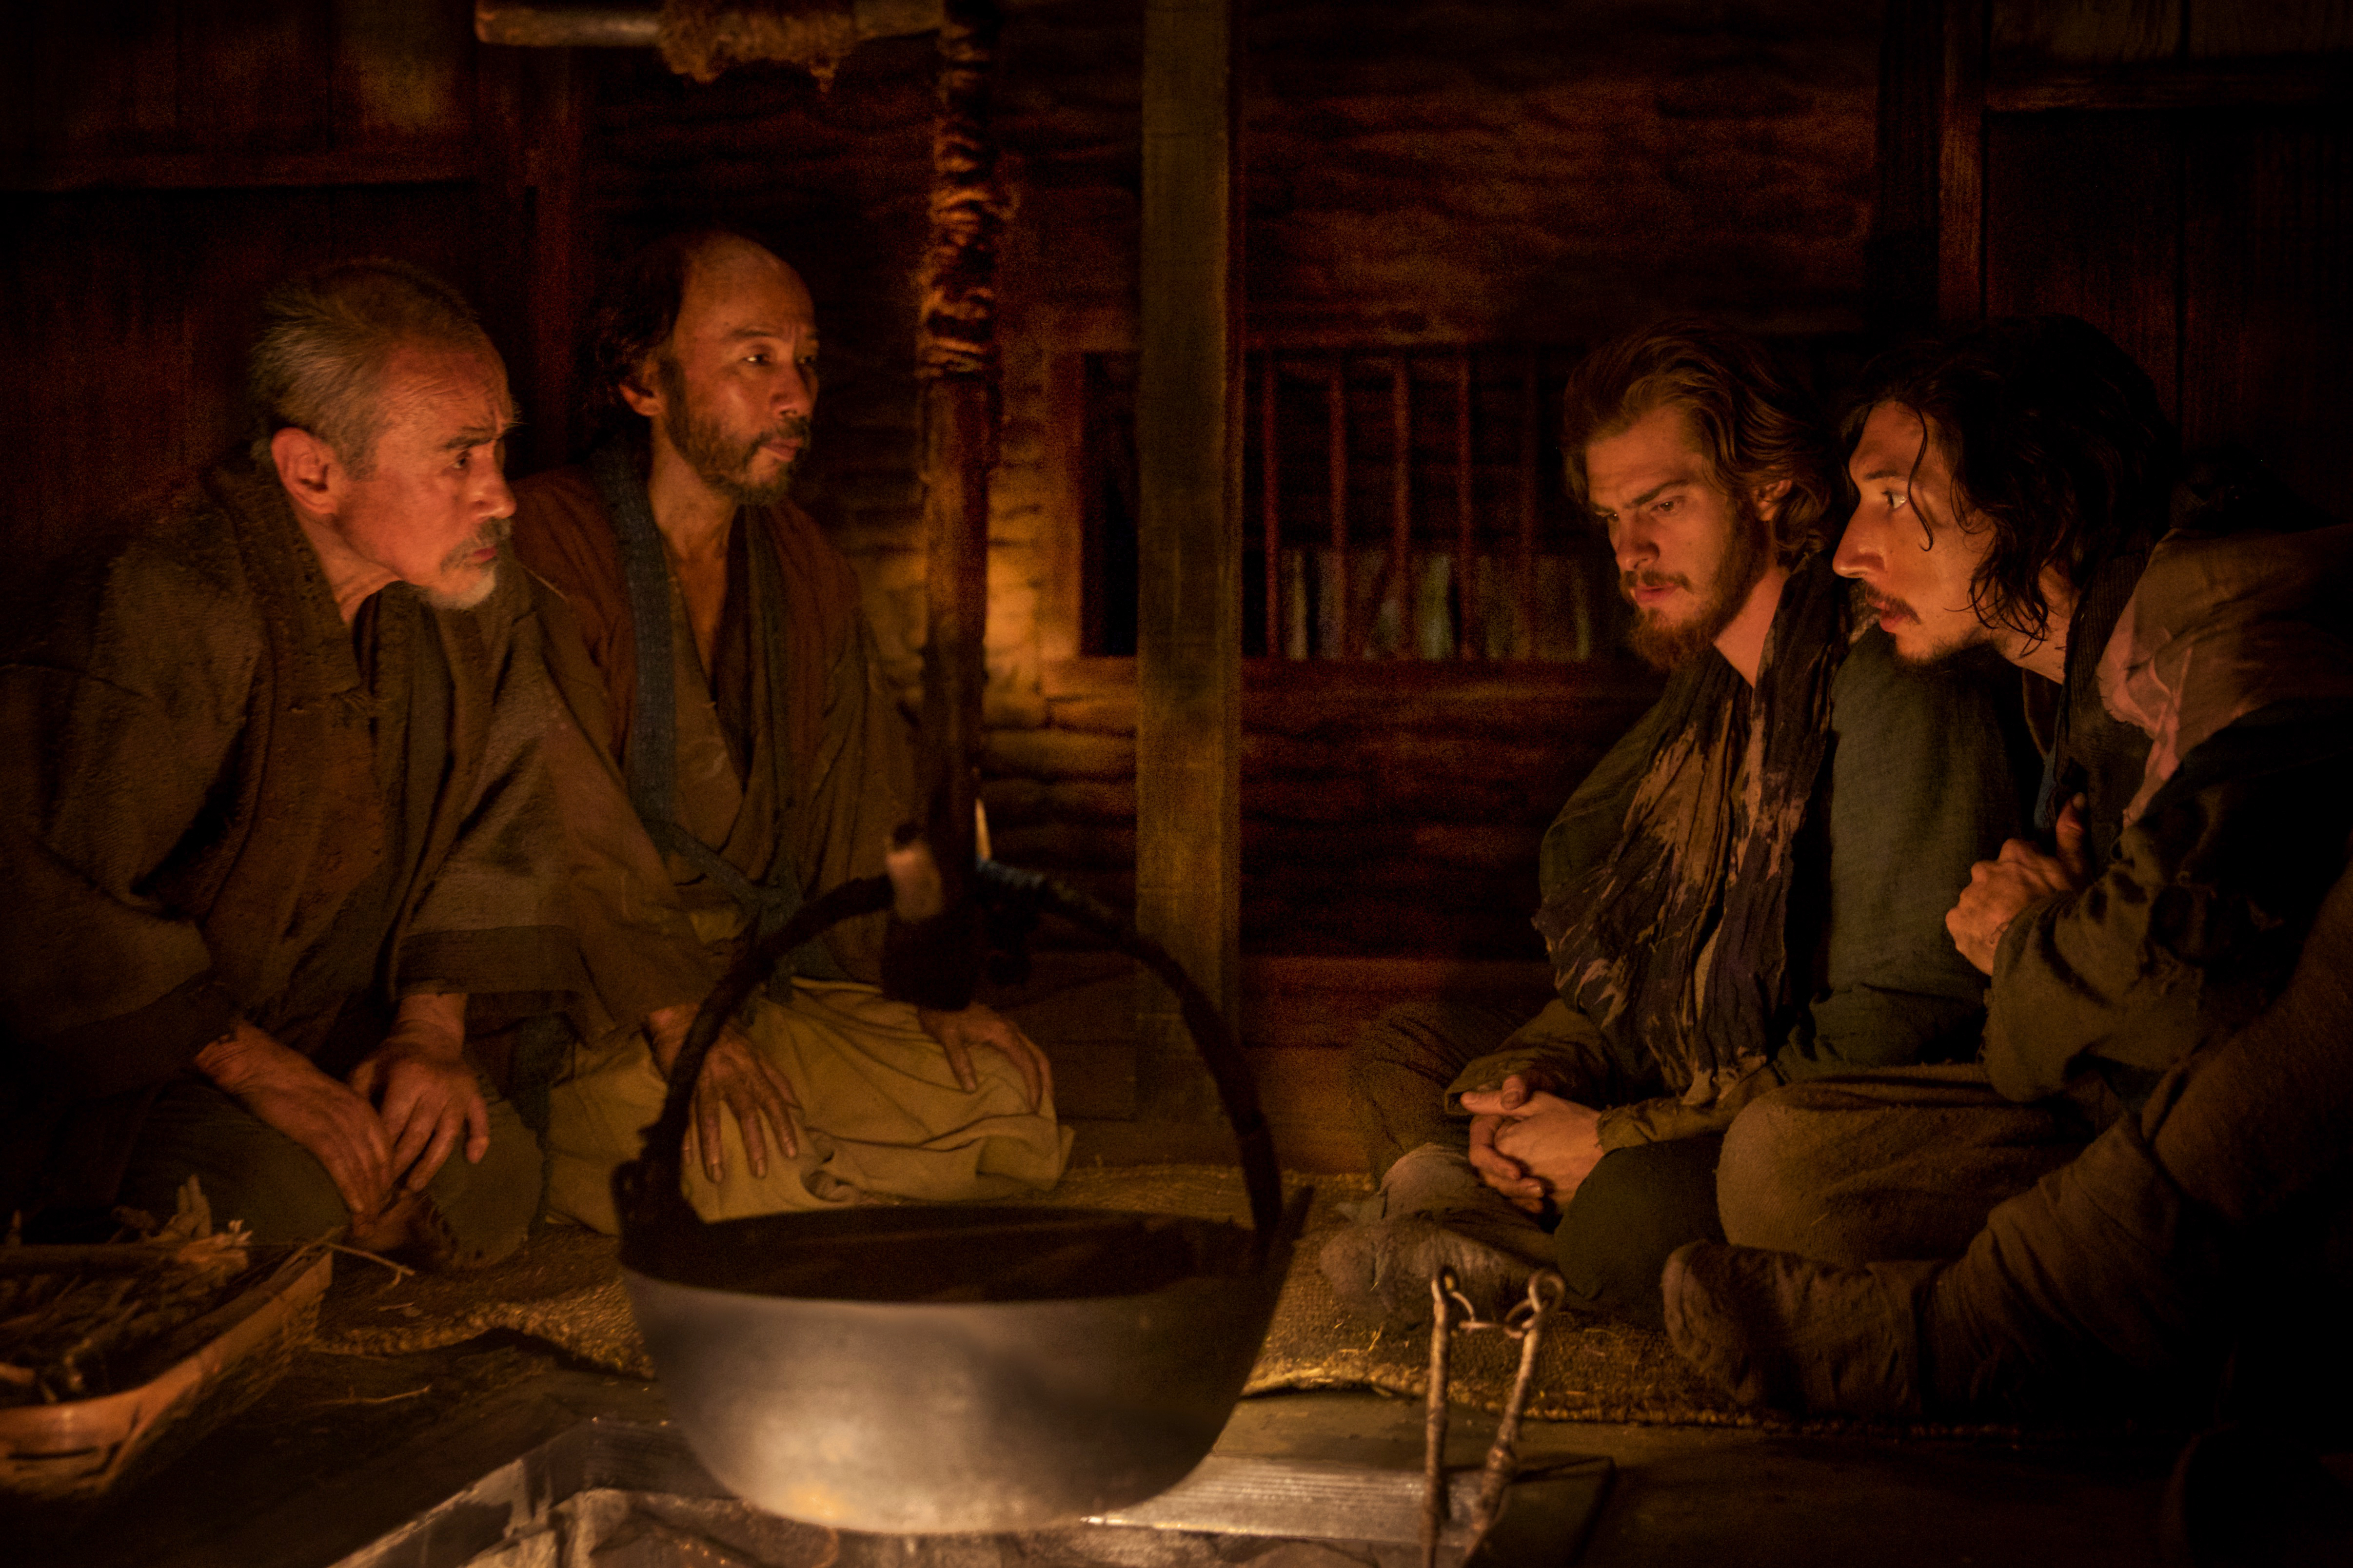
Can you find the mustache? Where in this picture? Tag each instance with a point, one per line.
(791, 427)
(494, 531)
(1630, 581)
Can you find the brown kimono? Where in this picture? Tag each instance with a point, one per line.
(194, 812)
(812, 774)
(791, 764)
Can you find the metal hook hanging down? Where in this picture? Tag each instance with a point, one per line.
(1526, 1322)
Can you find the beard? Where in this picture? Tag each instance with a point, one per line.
(1669, 645)
(1949, 650)
(724, 461)
(492, 533)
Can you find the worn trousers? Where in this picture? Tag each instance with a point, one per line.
(1611, 1240)
(1896, 1163)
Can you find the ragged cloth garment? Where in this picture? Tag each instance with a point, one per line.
(883, 1117)
(2234, 656)
(1674, 941)
(2211, 956)
(2235, 651)
(219, 801)
(1826, 963)
(1914, 768)
(790, 765)
(820, 756)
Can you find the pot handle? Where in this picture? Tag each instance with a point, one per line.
(647, 1190)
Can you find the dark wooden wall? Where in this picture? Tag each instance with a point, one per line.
(2178, 173)
(163, 162)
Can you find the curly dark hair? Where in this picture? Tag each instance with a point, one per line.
(2056, 442)
(1758, 424)
(633, 319)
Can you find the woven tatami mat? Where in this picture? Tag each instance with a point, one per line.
(565, 1288)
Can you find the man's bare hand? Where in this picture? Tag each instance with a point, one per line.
(285, 1091)
(960, 1034)
(752, 1088)
(1555, 1143)
(1506, 1174)
(423, 1089)
(2000, 891)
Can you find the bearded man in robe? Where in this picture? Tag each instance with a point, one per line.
(744, 704)
(2150, 1166)
(279, 816)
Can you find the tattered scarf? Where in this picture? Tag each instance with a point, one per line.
(1674, 943)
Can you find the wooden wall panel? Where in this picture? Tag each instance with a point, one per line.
(2026, 34)
(2268, 292)
(171, 159)
(255, 75)
(100, 75)
(2084, 215)
(135, 308)
(403, 70)
(2223, 28)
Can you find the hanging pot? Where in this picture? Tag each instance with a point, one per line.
(942, 1368)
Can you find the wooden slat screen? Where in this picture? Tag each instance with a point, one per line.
(1408, 504)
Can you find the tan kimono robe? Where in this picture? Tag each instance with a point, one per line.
(809, 788)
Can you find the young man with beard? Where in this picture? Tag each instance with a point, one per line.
(278, 818)
(1749, 889)
(741, 700)
(2167, 1090)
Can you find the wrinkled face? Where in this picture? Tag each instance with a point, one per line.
(434, 506)
(1687, 551)
(737, 382)
(1906, 543)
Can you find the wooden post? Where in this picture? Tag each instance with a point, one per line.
(1337, 581)
(532, 120)
(1188, 540)
(1465, 647)
(1271, 508)
(1401, 506)
(1523, 587)
(1960, 218)
(956, 362)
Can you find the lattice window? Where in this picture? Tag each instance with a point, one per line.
(1371, 478)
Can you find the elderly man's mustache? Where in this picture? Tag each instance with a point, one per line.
(494, 531)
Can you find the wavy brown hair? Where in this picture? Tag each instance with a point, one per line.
(2057, 444)
(1757, 426)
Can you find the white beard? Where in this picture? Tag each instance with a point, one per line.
(467, 598)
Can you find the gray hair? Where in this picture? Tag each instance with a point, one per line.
(326, 338)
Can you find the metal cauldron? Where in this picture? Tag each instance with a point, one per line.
(942, 1368)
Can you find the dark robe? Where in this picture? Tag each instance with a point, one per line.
(198, 806)
(802, 773)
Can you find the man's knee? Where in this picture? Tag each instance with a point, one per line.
(1769, 1183)
(1632, 1212)
(247, 1170)
(1399, 1068)
(487, 1208)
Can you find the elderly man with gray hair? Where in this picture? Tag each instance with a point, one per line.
(276, 809)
